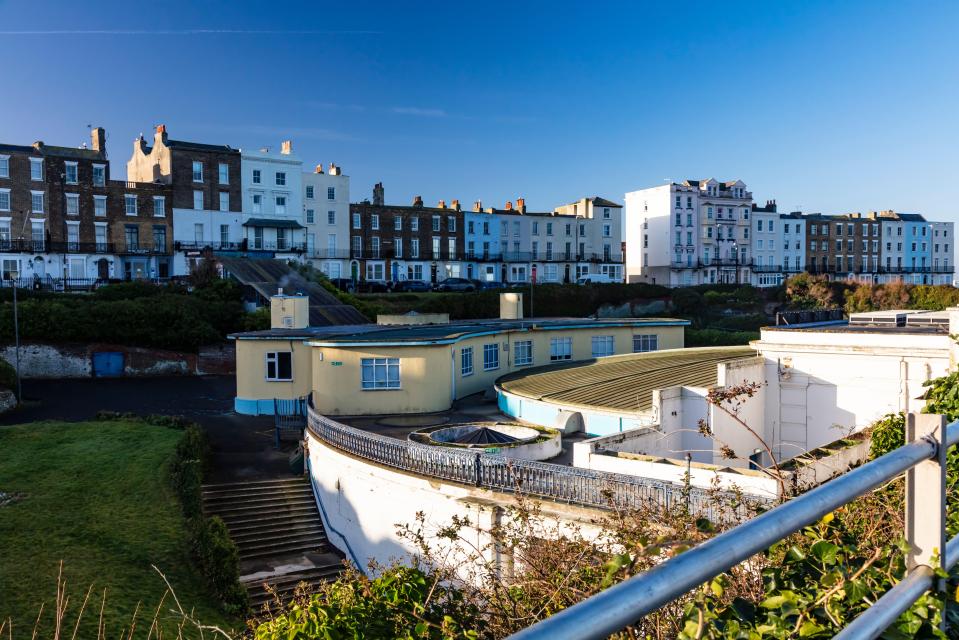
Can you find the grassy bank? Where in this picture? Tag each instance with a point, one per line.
(97, 496)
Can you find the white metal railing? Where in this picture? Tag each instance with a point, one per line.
(922, 459)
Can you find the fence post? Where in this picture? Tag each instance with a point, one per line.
(926, 494)
(477, 469)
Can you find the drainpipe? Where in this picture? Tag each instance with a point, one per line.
(452, 375)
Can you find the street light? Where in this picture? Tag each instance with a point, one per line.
(16, 335)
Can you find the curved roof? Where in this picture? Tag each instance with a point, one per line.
(621, 383)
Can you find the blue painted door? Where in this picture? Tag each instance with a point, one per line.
(107, 364)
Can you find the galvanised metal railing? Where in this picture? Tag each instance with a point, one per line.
(923, 459)
(585, 487)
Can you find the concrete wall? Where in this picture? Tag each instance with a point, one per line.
(76, 361)
(254, 393)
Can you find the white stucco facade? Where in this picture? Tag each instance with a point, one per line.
(326, 218)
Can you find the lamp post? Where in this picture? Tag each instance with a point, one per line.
(16, 335)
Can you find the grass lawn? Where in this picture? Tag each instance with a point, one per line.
(96, 495)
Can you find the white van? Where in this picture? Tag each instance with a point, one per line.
(596, 278)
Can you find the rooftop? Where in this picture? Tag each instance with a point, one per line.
(621, 383)
(441, 333)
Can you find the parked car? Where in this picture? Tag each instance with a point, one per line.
(596, 278)
(455, 284)
(411, 285)
(489, 284)
(344, 284)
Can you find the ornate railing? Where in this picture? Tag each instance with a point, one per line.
(585, 487)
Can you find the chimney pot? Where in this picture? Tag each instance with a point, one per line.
(509, 206)
(161, 128)
(417, 201)
(334, 170)
(319, 168)
(455, 204)
(99, 137)
(378, 194)
(521, 204)
(478, 205)
(441, 205)
(286, 147)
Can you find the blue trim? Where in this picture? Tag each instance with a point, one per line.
(326, 518)
(253, 407)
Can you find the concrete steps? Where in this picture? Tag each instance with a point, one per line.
(279, 533)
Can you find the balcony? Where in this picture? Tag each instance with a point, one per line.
(81, 247)
(711, 263)
(179, 245)
(25, 246)
(767, 268)
(144, 249)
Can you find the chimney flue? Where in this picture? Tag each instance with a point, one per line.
(521, 204)
(99, 138)
(334, 170)
(417, 201)
(441, 205)
(455, 205)
(478, 206)
(509, 206)
(319, 169)
(286, 147)
(378, 198)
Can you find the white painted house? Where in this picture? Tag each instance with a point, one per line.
(326, 218)
(272, 191)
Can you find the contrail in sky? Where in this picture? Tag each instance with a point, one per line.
(175, 32)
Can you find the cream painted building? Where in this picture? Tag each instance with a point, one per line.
(376, 369)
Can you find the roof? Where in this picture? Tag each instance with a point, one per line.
(199, 146)
(485, 435)
(273, 223)
(621, 383)
(53, 150)
(603, 202)
(17, 148)
(408, 335)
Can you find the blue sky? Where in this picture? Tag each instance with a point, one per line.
(827, 106)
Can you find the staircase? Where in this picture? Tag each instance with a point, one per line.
(278, 531)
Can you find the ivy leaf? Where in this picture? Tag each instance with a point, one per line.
(717, 587)
(795, 554)
(825, 551)
(855, 590)
(810, 628)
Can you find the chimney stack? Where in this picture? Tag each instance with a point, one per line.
(160, 136)
(99, 138)
(334, 170)
(441, 205)
(478, 206)
(509, 206)
(455, 205)
(378, 198)
(417, 201)
(286, 147)
(319, 169)
(521, 205)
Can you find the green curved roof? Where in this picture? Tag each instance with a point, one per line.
(621, 383)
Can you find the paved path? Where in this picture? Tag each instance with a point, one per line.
(242, 445)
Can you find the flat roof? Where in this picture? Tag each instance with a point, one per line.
(845, 327)
(621, 383)
(446, 333)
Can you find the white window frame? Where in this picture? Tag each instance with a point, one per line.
(310, 216)
(257, 176)
(523, 353)
(72, 204)
(645, 343)
(197, 172)
(372, 382)
(560, 349)
(280, 178)
(375, 222)
(224, 201)
(603, 346)
(223, 173)
(309, 191)
(97, 226)
(330, 193)
(127, 199)
(279, 205)
(36, 169)
(43, 202)
(159, 206)
(198, 200)
(4, 166)
(5, 206)
(357, 222)
(273, 358)
(491, 356)
(102, 169)
(331, 217)
(98, 210)
(68, 167)
(466, 362)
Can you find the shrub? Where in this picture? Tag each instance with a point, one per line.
(219, 561)
(258, 320)
(687, 301)
(8, 375)
(718, 338)
(888, 433)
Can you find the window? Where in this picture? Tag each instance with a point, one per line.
(279, 366)
(279, 204)
(380, 373)
(415, 248)
(130, 204)
(131, 234)
(198, 232)
(310, 216)
(224, 173)
(607, 230)
(197, 171)
(535, 228)
(436, 223)
(451, 224)
(159, 239)
(159, 206)
(356, 221)
(257, 176)
(281, 178)
(225, 201)
(331, 217)
(602, 346)
(397, 247)
(309, 191)
(100, 236)
(436, 247)
(4, 166)
(330, 193)
(491, 356)
(224, 235)
(414, 224)
(375, 247)
(560, 349)
(73, 204)
(36, 168)
(357, 246)
(5, 200)
(99, 205)
(70, 172)
(644, 343)
(73, 234)
(606, 210)
(375, 222)
(451, 248)
(523, 353)
(466, 361)
(198, 200)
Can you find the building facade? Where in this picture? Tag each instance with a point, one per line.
(272, 193)
(63, 220)
(689, 233)
(326, 217)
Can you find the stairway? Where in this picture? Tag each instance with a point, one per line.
(278, 531)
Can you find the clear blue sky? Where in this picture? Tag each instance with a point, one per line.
(831, 106)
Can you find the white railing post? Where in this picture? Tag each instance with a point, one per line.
(926, 494)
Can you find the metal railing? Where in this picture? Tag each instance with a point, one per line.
(923, 459)
(584, 487)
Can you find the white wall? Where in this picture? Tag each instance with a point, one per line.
(333, 262)
(269, 164)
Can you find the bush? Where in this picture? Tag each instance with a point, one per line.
(718, 338)
(888, 433)
(8, 375)
(687, 302)
(219, 561)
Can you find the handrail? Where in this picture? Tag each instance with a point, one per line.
(622, 604)
(587, 487)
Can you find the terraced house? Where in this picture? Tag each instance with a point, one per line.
(65, 223)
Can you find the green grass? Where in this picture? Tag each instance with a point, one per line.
(96, 495)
